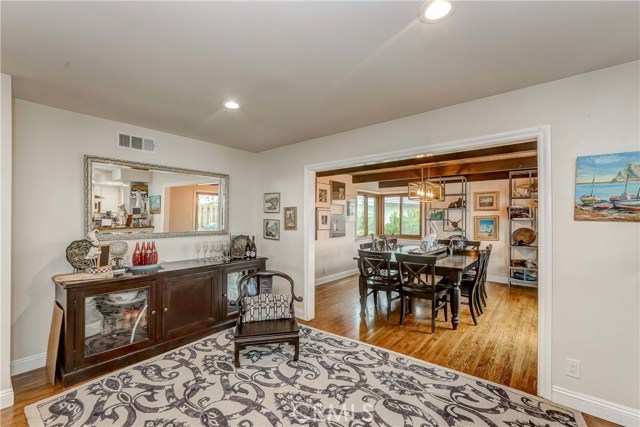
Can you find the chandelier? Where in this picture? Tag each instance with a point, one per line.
(425, 190)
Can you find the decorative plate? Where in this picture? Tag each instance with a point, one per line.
(139, 299)
(118, 248)
(238, 245)
(76, 253)
(525, 235)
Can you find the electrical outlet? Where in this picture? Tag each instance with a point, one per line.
(573, 368)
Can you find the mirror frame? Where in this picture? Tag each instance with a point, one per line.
(88, 204)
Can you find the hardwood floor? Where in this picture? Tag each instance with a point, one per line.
(502, 348)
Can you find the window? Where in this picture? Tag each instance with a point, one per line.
(206, 212)
(366, 214)
(401, 216)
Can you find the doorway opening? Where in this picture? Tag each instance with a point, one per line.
(503, 186)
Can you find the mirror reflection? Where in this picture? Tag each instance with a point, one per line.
(128, 197)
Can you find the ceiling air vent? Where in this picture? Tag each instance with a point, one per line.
(133, 142)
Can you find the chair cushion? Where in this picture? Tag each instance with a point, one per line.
(266, 307)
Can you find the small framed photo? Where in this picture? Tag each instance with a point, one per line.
(291, 218)
(338, 226)
(486, 201)
(271, 230)
(271, 203)
(519, 212)
(322, 194)
(323, 217)
(351, 210)
(154, 204)
(338, 192)
(436, 214)
(486, 227)
(104, 256)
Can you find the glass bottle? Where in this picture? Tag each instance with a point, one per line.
(154, 253)
(136, 257)
(148, 257)
(254, 250)
(247, 250)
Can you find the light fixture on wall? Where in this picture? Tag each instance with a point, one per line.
(435, 11)
(425, 190)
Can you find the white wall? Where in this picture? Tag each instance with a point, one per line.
(6, 391)
(49, 145)
(596, 311)
(334, 255)
(498, 265)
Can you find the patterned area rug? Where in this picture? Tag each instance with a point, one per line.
(336, 382)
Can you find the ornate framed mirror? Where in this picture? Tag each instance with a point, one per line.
(132, 200)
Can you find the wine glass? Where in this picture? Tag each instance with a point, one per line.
(218, 249)
(211, 250)
(198, 249)
(226, 247)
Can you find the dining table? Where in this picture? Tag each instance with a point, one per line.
(448, 264)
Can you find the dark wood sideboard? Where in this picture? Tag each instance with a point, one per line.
(115, 322)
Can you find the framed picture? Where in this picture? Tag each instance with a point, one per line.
(322, 194)
(271, 203)
(323, 217)
(271, 229)
(486, 201)
(486, 227)
(154, 204)
(104, 256)
(516, 212)
(607, 187)
(338, 227)
(338, 192)
(351, 210)
(436, 214)
(291, 218)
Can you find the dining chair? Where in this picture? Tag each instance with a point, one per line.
(483, 288)
(392, 244)
(366, 246)
(376, 275)
(419, 281)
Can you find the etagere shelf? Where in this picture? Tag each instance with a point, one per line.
(523, 214)
(450, 219)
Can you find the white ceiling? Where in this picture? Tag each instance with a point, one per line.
(301, 70)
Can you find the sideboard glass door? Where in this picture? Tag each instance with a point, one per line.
(115, 320)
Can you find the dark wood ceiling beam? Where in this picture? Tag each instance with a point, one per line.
(452, 170)
(503, 149)
(490, 176)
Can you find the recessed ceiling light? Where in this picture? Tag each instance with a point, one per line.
(232, 105)
(435, 11)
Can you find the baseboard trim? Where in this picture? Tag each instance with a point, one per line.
(28, 363)
(498, 279)
(336, 276)
(594, 406)
(6, 398)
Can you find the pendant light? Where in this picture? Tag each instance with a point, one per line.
(425, 190)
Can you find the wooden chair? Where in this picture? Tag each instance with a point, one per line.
(376, 275)
(469, 288)
(264, 331)
(419, 281)
(366, 246)
(392, 244)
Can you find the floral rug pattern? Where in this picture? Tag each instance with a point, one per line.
(336, 382)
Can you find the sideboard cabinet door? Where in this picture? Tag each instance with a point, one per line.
(114, 321)
(188, 304)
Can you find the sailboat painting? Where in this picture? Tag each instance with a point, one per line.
(608, 187)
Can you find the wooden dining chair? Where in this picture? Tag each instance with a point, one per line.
(376, 275)
(265, 318)
(392, 244)
(469, 288)
(419, 281)
(366, 246)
